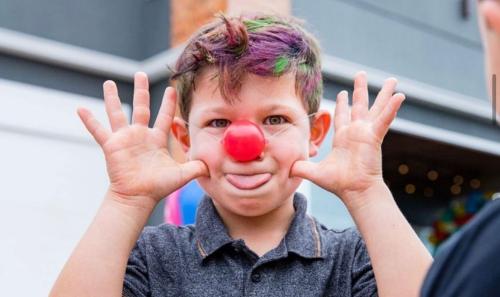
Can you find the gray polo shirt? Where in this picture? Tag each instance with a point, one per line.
(203, 260)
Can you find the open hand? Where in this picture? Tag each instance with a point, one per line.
(140, 169)
(355, 163)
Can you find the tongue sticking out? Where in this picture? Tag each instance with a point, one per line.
(247, 182)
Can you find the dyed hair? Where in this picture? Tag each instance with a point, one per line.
(265, 45)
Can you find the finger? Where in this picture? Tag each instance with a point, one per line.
(193, 169)
(341, 111)
(360, 97)
(99, 133)
(385, 119)
(117, 118)
(304, 169)
(383, 97)
(141, 111)
(167, 110)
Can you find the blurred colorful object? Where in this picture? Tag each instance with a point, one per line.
(181, 205)
(459, 212)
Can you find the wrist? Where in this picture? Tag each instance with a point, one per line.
(372, 195)
(127, 213)
(130, 202)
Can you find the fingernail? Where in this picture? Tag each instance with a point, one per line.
(108, 83)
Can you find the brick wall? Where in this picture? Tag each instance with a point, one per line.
(188, 15)
(237, 7)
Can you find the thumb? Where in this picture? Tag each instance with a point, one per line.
(193, 169)
(304, 169)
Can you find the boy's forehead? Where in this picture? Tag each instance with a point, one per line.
(208, 79)
(261, 91)
(247, 103)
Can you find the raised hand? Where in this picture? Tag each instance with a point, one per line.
(355, 163)
(140, 169)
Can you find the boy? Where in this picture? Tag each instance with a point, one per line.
(253, 78)
(467, 265)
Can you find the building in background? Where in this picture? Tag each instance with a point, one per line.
(441, 153)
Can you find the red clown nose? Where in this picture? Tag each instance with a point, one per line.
(244, 141)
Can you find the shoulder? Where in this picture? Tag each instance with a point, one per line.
(347, 253)
(165, 243)
(166, 236)
(335, 242)
(332, 236)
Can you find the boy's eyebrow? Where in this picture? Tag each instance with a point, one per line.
(218, 109)
(279, 106)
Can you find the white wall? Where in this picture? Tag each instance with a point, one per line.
(52, 177)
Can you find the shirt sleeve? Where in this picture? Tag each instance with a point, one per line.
(363, 278)
(136, 282)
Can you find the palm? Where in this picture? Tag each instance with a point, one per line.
(355, 160)
(137, 159)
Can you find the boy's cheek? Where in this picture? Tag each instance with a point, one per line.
(206, 151)
(289, 152)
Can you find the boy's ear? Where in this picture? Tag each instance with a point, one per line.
(181, 133)
(319, 128)
(490, 11)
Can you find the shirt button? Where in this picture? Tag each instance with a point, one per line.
(256, 277)
(237, 248)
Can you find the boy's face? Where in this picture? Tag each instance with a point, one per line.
(270, 103)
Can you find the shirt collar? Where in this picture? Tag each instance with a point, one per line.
(302, 237)
(210, 232)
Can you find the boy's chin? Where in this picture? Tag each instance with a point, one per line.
(250, 207)
(254, 205)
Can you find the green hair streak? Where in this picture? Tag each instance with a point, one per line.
(280, 65)
(254, 25)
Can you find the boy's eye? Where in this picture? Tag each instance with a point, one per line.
(218, 123)
(275, 120)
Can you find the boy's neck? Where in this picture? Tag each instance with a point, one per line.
(260, 233)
